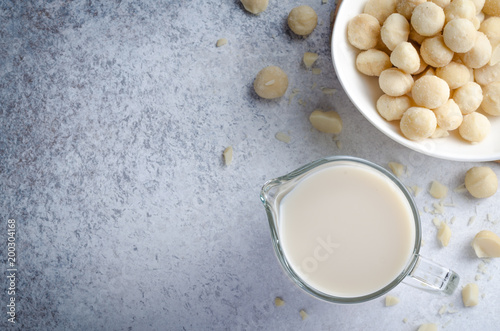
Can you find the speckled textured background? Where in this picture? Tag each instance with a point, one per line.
(113, 119)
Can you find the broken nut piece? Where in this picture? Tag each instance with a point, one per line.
(486, 244)
(438, 190)
(309, 59)
(326, 121)
(470, 295)
(444, 234)
(228, 155)
(391, 301)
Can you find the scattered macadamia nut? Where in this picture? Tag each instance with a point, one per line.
(492, 7)
(449, 116)
(393, 108)
(302, 20)
(455, 74)
(395, 30)
(444, 234)
(491, 99)
(435, 52)
(427, 19)
(475, 127)
(481, 182)
(372, 62)
(395, 82)
(470, 295)
(309, 59)
(480, 54)
(406, 7)
(460, 9)
(380, 9)
(468, 97)
(459, 35)
(486, 244)
(405, 57)
(255, 6)
(418, 123)
(430, 92)
(271, 82)
(487, 74)
(428, 327)
(326, 121)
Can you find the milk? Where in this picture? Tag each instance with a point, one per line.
(347, 230)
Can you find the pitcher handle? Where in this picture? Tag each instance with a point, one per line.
(432, 277)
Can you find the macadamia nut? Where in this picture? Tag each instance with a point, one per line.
(418, 123)
(480, 54)
(427, 19)
(460, 9)
(372, 62)
(475, 127)
(395, 82)
(393, 108)
(492, 7)
(405, 57)
(435, 52)
(449, 116)
(380, 9)
(481, 182)
(486, 244)
(459, 35)
(406, 7)
(363, 31)
(441, 3)
(468, 97)
(302, 20)
(455, 74)
(271, 82)
(479, 4)
(487, 74)
(395, 30)
(491, 28)
(491, 99)
(255, 6)
(430, 92)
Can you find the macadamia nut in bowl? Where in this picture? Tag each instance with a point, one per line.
(477, 137)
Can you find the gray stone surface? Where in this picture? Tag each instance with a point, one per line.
(113, 119)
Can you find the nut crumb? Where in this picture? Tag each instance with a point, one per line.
(228, 155)
(303, 314)
(471, 220)
(397, 169)
(221, 42)
(281, 136)
(309, 59)
(328, 91)
(279, 302)
(316, 71)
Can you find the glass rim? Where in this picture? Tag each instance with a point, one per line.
(302, 171)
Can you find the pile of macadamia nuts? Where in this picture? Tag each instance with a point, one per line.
(438, 63)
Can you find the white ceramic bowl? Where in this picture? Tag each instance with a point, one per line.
(364, 92)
